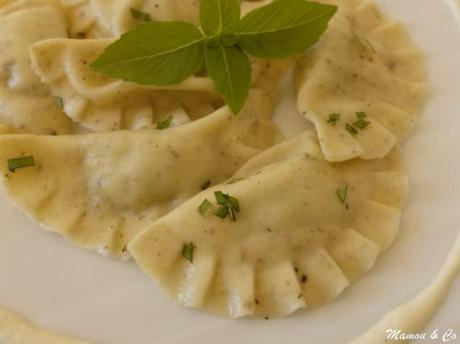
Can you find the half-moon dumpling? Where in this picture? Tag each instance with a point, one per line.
(25, 103)
(108, 18)
(100, 103)
(303, 230)
(99, 190)
(362, 85)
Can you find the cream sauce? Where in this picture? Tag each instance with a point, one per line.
(413, 316)
(14, 329)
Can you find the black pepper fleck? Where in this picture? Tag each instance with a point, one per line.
(304, 278)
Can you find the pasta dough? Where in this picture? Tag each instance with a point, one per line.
(107, 18)
(365, 62)
(295, 242)
(25, 104)
(100, 103)
(99, 190)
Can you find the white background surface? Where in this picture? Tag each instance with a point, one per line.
(110, 302)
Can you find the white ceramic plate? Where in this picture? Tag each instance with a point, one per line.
(107, 301)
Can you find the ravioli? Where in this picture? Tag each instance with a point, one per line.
(100, 103)
(306, 230)
(107, 18)
(26, 104)
(99, 190)
(364, 63)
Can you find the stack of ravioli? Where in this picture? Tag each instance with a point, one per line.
(316, 210)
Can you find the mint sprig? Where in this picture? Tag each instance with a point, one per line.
(167, 53)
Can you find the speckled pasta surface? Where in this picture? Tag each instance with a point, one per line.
(295, 243)
(47, 87)
(364, 63)
(26, 104)
(100, 103)
(99, 190)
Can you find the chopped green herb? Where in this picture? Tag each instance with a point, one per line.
(140, 15)
(165, 124)
(235, 203)
(229, 206)
(17, 163)
(222, 212)
(206, 185)
(333, 118)
(188, 251)
(59, 102)
(232, 213)
(361, 124)
(221, 198)
(361, 115)
(351, 129)
(205, 208)
(342, 195)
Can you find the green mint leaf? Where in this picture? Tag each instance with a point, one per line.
(140, 15)
(283, 28)
(17, 163)
(230, 70)
(219, 16)
(154, 53)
